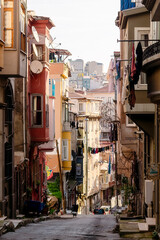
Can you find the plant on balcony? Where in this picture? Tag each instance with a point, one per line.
(54, 189)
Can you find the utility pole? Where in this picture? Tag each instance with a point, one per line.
(61, 179)
(86, 164)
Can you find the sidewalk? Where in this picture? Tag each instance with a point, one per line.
(136, 227)
(10, 225)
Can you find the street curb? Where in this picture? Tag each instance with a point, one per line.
(10, 225)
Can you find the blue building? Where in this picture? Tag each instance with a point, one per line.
(126, 4)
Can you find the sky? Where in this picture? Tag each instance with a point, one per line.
(86, 28)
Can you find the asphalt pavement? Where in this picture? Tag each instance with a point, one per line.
(82, 227)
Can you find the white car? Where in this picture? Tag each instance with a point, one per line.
(107, 209)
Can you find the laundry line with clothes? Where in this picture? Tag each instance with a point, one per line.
(100, 149)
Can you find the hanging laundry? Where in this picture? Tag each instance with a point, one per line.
(118, 70)
(132, 97)
(109, 165)
(133, 66)
(125, 87)
(139, 60)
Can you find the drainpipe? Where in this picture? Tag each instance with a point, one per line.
(24, 115)
(157, 120)
(61, 178)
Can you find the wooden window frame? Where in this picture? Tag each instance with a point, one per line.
(23, 33)
(12, 22)
(32, 111)
(64, 158)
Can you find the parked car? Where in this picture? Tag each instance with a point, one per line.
(116, 209)
(98, 211)
(107, 209)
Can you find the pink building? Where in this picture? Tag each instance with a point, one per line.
(40, 103)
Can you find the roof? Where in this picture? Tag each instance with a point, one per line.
(42, 19)
(99, 90)
(81, 96)
(130, 12)
(60, 51)
(76, 95)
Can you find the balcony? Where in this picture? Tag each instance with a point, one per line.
(104, 186)
(104, 129)
(151, 65)
(151, 56)
(49, 147)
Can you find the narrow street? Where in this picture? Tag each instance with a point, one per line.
(96, 227)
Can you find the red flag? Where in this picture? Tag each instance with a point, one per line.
(133, 66)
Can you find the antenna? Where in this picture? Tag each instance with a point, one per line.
(35, 49)
(47, 43)
(35, 33)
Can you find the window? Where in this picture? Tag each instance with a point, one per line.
(47, 111)
(0, 21)
(92, 107)
(144, 37)
(109, 112)
(129, 122)
(22, 19)
(109, 99)
(8, 23)
(80, 124)
(78, 169)
(88, 107)
(143, 79)
(51, 87)
(96, 107)
(64, 149)
(37, 110)
(143, 34)
(81, 107)
(66, 113)
(107, 178)
(40, 54)
(105, 135)
(97, 182)
(92, 125)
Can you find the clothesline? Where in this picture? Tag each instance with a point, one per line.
(97, 150)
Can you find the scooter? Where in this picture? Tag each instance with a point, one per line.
(74, 210)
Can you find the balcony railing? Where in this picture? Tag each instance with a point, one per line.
(151, 50)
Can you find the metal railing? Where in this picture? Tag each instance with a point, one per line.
(151, 50)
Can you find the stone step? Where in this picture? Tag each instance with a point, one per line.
(151, 221)
(143, 227)
(132, 227)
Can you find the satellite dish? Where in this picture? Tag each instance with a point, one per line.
(36, 67)
(35, 33)
(35, 49)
